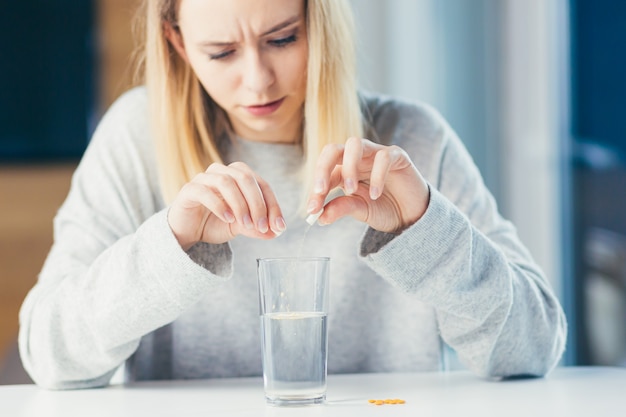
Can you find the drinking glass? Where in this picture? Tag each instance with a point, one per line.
(293, 298)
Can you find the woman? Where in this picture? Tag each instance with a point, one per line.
(249, 121)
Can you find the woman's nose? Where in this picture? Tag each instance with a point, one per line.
(258, 74)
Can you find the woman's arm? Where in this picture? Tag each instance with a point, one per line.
(493, 303)
(115, 271)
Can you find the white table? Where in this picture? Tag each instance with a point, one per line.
(567, 392)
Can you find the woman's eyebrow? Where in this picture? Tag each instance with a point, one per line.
(273, 29)
(282, 25)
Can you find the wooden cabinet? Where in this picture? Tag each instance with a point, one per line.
(30, 197)
(116, 46)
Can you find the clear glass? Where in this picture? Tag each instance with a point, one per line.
(293, 300)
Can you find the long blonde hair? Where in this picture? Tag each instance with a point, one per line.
(186, 122)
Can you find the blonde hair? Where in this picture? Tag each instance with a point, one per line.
(186, 122)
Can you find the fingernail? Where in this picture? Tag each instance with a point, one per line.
(311, 207)
(349, 184)
(247, 222)
(230, 218)
(374, 193)
(319, 186)
(262, 225)
(313, 217)
(279, 226)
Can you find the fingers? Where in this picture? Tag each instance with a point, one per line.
(352, 156)
(349, 166)
(247, 196)
(348, 157)
(250, 208)
(330, 156)
(324, 181)
(197, 191)
(383, 160)
(276, 222)
(365, 170)
(377, 162)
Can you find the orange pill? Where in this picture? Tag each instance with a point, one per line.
(387, 401)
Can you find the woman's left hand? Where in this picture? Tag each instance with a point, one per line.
(382, 187)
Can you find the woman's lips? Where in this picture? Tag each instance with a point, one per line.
(265, 109)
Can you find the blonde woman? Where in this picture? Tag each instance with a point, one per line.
(249, 120)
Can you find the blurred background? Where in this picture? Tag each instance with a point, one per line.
(535, 89)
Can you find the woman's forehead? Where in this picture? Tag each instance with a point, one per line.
(229, 20)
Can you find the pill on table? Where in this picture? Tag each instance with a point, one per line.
(386, 401)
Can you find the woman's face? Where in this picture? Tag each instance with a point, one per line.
(251, 58)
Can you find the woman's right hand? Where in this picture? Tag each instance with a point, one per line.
(223, 202)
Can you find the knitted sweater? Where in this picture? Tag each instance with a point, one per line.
(117, 289)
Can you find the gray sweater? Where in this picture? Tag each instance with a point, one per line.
(116, 288)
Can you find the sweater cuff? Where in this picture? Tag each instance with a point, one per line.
(184, 277)
(405, 260)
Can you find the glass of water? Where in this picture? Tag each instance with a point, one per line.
(293, 296)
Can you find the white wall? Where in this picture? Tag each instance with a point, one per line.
(439, 51)
(533, 111)
(494, 69)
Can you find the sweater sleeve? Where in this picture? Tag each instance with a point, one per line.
(492, 302)
(115, 271)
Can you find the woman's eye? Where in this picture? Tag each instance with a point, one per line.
(283, 41)
(274, 42)
(221, 55)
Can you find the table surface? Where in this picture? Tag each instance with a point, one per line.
(567, 392)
